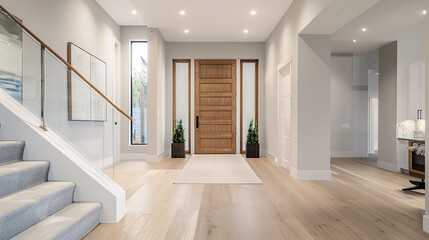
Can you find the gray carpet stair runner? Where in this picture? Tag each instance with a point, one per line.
(33, 208)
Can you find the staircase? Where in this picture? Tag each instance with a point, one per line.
(31, 207)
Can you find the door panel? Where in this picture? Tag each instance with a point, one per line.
(285, 114)
(215, 106)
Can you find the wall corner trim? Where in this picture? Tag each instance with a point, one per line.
(270, 156)
(388, 166)
(156, 158)
(311, 175)
(426, 223)
(285, 165)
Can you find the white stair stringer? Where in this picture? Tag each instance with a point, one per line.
(65, 162)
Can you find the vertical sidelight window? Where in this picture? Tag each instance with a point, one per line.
(139, 66)
(182, 97)
(248, 97)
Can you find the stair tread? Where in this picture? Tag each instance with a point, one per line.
(15, 165)
(23, 209)
(73, 222)
(9, 142)
(21, 175)
(32, 194)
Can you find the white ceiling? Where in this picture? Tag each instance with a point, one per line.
(381, 20)
(207, 21)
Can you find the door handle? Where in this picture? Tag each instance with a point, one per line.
(418, 111)
(421, 112)
(198, 122)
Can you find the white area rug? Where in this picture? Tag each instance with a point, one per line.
(218, 169)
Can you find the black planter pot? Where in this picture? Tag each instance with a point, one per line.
(252, 150)
(177, 150)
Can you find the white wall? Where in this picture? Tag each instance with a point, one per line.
(84, 23)
(314, 76)
(87, 25)
(282, 44)
(341, 105)
(212, 51)
(350, 102)
(154, 150)
(128, 34)
(411, 42)
(387, 157)
(360, 105)
(156, 95)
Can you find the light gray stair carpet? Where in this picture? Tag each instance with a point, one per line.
(33, 208)
(72, 222)
(22, 175)
(11, 151)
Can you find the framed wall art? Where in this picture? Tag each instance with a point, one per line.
(11, 61)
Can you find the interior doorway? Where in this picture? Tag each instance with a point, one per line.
(373, 109)
(284, 113)
(373, 127)
(215, 106)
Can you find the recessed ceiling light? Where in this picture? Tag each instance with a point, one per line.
(182, 12)
(354, 40)
(424, 12)
(134, 12)
(363, 29)
(253, 12)
(186, 31)
(246, 31)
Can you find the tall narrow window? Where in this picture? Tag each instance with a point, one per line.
(139, 60)
(182, 97)
(248, 97)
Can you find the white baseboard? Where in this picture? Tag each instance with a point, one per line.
(285, 165)
(156, 158)
(388, 166)
(270, 156)
(426, 223)
(311, 175)
(341, 154)
(167, 153)
(133, 156)
(293, 172)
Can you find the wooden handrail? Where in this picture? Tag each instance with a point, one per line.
(69, 66)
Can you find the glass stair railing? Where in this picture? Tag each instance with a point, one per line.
(45, 84)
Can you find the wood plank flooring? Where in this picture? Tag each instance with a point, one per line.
(361, 202)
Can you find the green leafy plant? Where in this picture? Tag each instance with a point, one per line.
(178, 132)
(252, 133)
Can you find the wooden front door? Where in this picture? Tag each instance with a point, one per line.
(215, 104)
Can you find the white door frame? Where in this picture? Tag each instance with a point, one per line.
(280, 157)
(116, 94)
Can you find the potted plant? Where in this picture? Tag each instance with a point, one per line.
(178, 141)
(252, 142)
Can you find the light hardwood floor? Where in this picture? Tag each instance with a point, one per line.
(361, 202)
